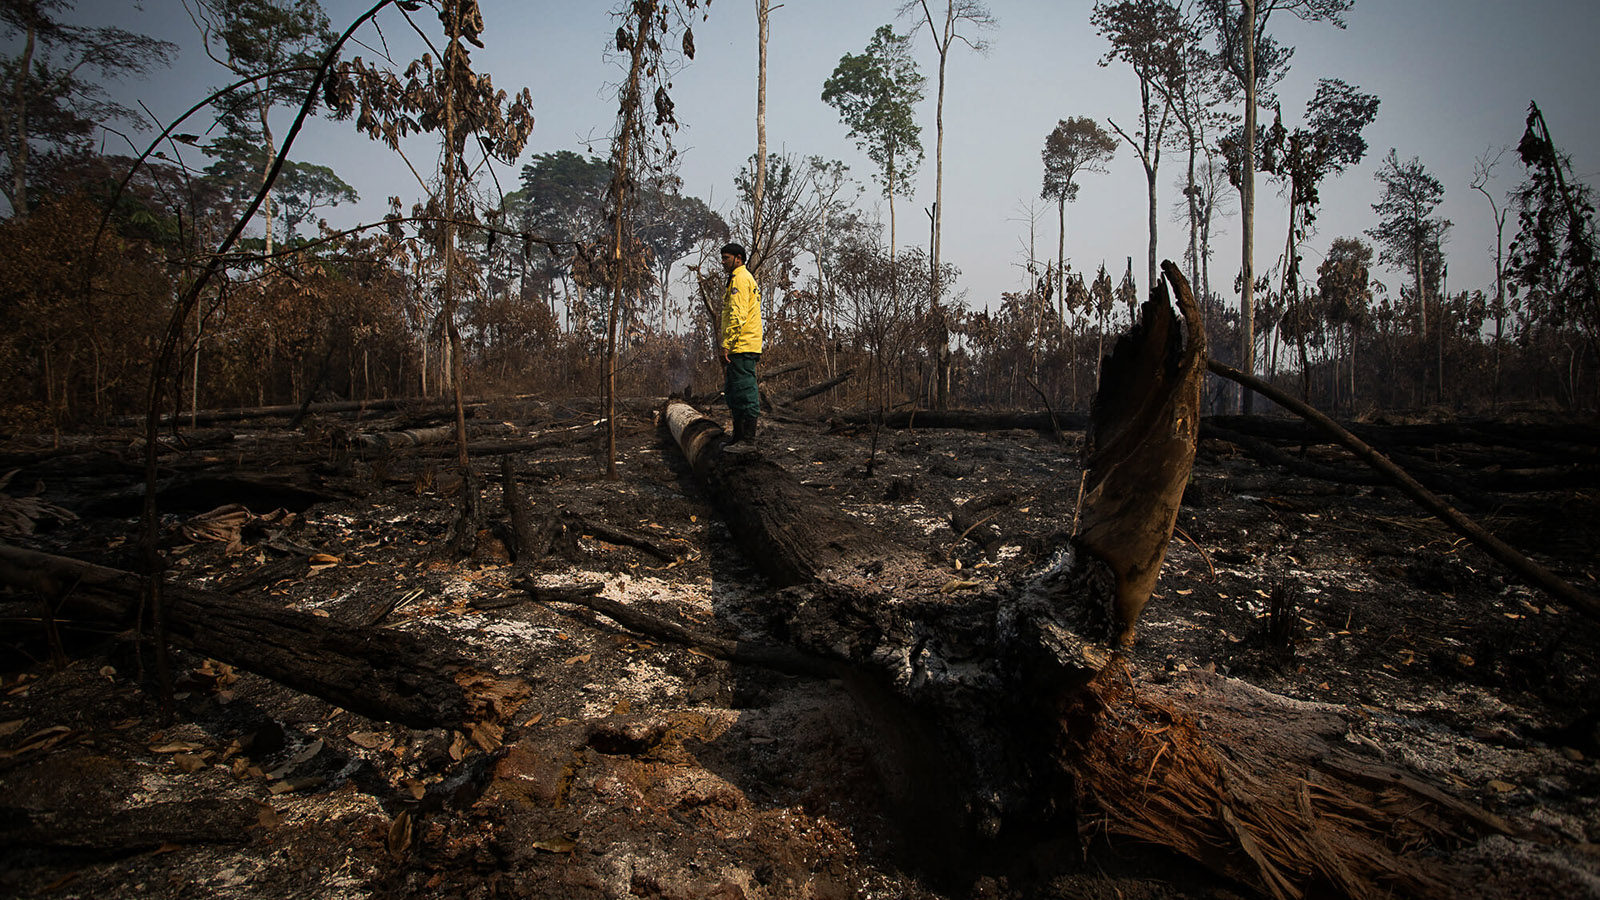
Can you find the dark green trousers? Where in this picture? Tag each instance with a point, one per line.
(739, 385)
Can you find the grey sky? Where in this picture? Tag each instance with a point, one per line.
(1454, 78)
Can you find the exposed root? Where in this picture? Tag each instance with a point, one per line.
(1248, 785)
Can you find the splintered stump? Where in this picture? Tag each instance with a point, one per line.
(379, 673)
(1018, 690)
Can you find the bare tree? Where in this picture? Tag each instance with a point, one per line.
(1483, 172)
(762, 12)
(960, 20)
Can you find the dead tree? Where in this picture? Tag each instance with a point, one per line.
(1014, 699)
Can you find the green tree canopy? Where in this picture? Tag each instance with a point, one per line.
(1075, 146)
(876, 93)
(1408, 234)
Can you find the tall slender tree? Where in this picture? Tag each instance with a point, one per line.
(763, 20)
(1327, 144)
(50, 102)
(1409, 235)
(1147, 35)
(646, 25)
(444, 95)
(964, 21)
(876, 93)
(1482, 175)
(278, 42)
(1076, 146)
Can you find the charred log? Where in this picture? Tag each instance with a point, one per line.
(968, 420)
(385, 675)
(807, 393)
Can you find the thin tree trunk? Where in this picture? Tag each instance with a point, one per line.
(18, 138)
(756, 250)
(630, 112)
(1247, 206)
(266, 133)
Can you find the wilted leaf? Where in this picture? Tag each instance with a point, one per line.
(534, 720)
(176, 747)
(11, 726)
(400, 835)
(268, 817)
(579, 659)
(188, 762)
(320, 613)
(1501, 787)
(323, 559)
(367, 740)
(458, 747)
(557, 844)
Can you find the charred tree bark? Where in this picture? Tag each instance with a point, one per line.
(1017, 692)
(807, 393)
(385, 675)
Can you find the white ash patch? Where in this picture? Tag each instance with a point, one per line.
(514, 634)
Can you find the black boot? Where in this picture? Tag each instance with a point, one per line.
(744, 428)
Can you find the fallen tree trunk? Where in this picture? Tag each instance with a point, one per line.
(417, 437)
(280, 411)
(386, 675)
(807, 393)
(1013, 694)
(969, 420)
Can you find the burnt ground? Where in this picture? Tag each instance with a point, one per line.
(642, 769)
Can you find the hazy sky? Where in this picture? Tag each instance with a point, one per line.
(1454, 78)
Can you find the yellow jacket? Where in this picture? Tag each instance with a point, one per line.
(741, 313)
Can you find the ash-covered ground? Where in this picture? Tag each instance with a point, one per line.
(638, 768)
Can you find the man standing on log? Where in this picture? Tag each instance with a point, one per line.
(740, 330)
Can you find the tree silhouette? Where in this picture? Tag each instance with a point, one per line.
(1074, 147)
(47, 96)
(277, 42)
(1408, 234)
(960, 20)
(1147, 35)
(1249, 54)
